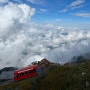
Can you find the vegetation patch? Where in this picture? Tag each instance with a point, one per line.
(75, 77)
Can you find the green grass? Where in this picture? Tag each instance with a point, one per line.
(57, 78)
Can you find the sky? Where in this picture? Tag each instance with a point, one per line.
(31, 30)
(71, 10)
(62, 12)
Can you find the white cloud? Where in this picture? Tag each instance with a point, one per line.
(13, 18)
(36, 1)
(76, 3)
(73, 5)
(14, 14)
(3, 1)
(43, 10)
(32, 1)
(82, 14)
(22, 41)
(64, 10)
(32, 59)
(80, 6)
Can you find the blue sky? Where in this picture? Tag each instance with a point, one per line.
(75, 12)
(61, 9)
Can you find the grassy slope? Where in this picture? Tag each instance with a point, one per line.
(57, 78)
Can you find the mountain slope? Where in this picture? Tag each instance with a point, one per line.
(75, 77)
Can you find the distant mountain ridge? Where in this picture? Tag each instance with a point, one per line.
(7, 74)
(8, 69)
(81, 58)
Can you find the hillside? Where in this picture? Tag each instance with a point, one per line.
(75, 77)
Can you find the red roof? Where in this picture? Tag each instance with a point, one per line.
(26, 69)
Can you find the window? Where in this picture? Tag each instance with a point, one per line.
(34, 70)
(17, 75)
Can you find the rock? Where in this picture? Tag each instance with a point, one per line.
(87, 83)
(83, 73)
